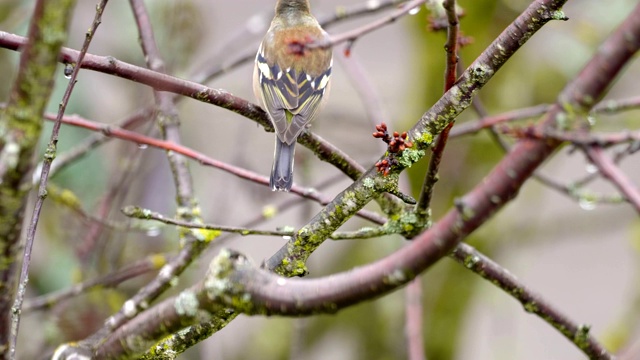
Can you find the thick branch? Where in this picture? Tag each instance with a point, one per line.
(291, 258)
(232, 278)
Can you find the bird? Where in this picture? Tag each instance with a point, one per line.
(291, 80)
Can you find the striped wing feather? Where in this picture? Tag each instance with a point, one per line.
(292, 97)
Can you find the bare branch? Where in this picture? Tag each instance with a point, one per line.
(21, 125)
(451, 48)
(533, 303)
(612, 172)
(290, 259)
(141, 267)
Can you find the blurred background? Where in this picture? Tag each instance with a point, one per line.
(581, 255)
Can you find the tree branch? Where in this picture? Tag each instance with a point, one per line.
(612, 172)
(21, 125)
(533, 303)
(290, 259)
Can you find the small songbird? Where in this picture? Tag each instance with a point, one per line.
(290, 80)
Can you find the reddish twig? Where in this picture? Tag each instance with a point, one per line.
(579, 138)
(162, 82)
(485, 122)
(137, 138)
(413, 320)
(488, 122)
(416, 346)
(451, 48)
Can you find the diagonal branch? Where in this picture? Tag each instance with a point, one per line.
(612, 172)
(232, 278)
(290, 259)
(451, 47)
(21, 126)
(534, 303)
(167, 119)
(163, 82)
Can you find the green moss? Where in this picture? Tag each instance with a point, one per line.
(517, 292)
(407, 223)
(243, 304)
(581, 337)
(158, 260)
(471, 261)
(205, 235)
(299, 268)
(269, 211)
(531, 307)
(558, 15)
(202, 95)
(423, 139)
(65, 197)
(410, 156)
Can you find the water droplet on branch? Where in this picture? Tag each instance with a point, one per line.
(587, 203)
(68, 70)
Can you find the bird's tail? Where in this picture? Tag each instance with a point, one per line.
(282, 170)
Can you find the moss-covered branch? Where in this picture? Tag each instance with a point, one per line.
(290, 259)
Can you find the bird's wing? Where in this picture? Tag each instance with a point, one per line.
(292, 97)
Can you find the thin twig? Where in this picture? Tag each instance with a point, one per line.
(364, 87)
(141, 267)
(326, 21)
(487, 122)
(88, 144)
(580, 138)
(451, 48)
(413, 320)
(167, 119)
(353, 35)
(573, 191)
(68, 199)
(612, 172)
(116, 191)
(342, 13)
(46, 166)
(108, 130)
(414, 326)
(604, 107)
(145, 214)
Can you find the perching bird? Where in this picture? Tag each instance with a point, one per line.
(290, 80)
